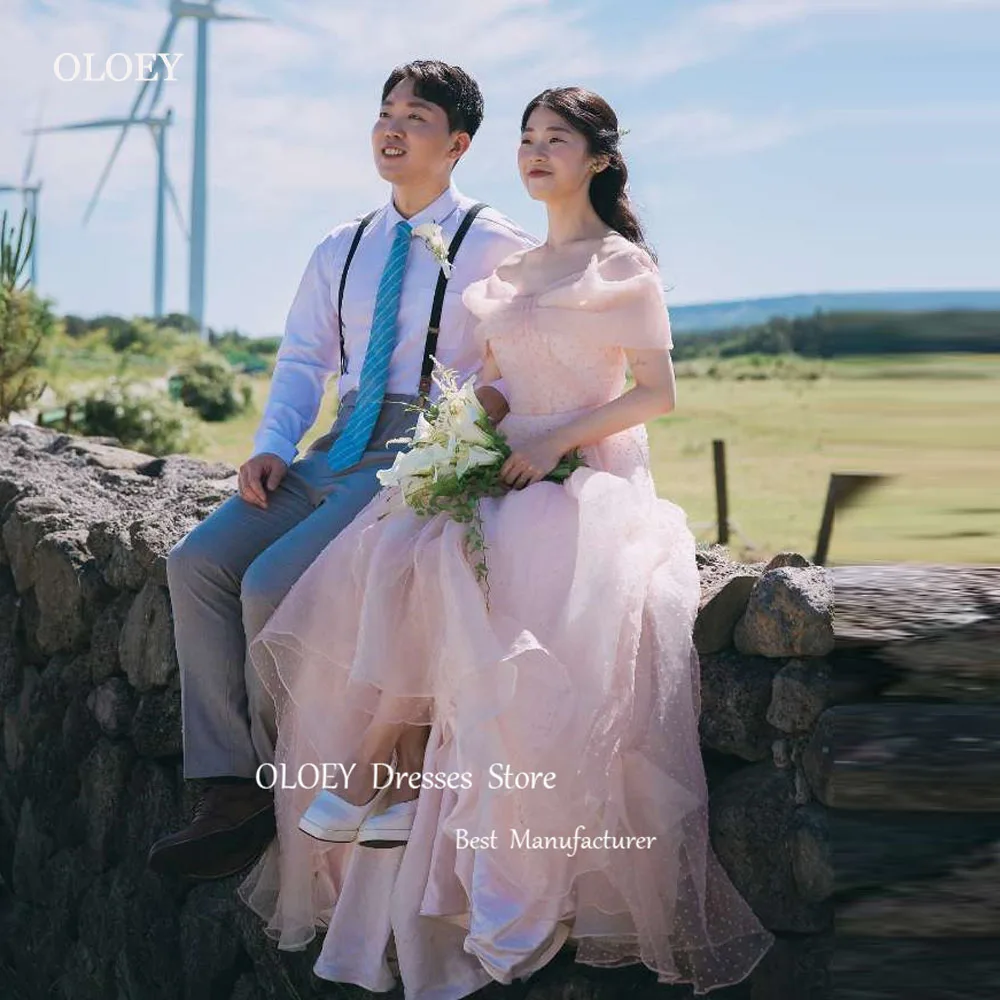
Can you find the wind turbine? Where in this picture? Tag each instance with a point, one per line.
(201, 13)
(158, 130)
(29, 199)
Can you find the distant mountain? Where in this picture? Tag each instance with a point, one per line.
(748, 312)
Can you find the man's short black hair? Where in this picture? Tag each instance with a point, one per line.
(449, 87)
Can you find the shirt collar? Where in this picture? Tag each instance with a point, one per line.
(437, 211)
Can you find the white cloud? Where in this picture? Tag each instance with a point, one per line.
(712, 31)
(713, 133)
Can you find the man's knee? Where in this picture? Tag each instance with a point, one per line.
(195, 555)
(261, 592)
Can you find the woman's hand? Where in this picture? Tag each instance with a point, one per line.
(532, 461)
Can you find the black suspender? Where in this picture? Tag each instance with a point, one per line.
(433, 328)
(430, 344)
(343, 284)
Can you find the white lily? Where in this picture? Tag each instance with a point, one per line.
(433, 237)
(473, 456)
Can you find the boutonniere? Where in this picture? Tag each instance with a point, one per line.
(433, 237)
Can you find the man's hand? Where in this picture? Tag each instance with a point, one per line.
(493, 403)
(259, 476)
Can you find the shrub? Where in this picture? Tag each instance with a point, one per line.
(25, 320)
(141, 419)
(208, 385)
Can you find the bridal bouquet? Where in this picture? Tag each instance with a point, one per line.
(454, 459)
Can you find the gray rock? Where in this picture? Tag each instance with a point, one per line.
(735, 694)
(105, 456)
(10, 666)
(752, 821)
(796, 968)
(146, 649)
(938, 626)
(147, 964)
(812, 854)
(886, 968)
(154, 808)
(31, 519)
(103, 799)
(799, 693)
(85, 977)
(246, 988)
(31, 848)
(152, 541)
(112, 706)
(790, 613)
(879, 848)
(118, 562)
(720, 610)
(787, 559)
(19, 724)
(156, 726)
(899, 756)
(209, 940)
(964, 903)
(106, 637)
(80, 730)
(68, 589)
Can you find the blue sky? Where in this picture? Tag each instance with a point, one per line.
(776, 146)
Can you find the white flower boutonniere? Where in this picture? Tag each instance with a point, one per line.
(433, 237)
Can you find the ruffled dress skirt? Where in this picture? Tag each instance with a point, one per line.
(579, 663)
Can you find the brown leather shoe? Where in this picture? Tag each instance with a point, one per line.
(232, 825)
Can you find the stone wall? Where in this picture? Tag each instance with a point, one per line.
(910, 776)
(91, 770)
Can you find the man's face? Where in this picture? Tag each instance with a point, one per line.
(411, 139)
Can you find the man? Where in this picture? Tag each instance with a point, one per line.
(230, 572)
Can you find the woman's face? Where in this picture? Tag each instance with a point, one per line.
(553, 158)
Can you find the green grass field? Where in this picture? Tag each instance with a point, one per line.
(930, 423)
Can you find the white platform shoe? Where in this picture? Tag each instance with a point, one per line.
(392, 824)
(332, 819)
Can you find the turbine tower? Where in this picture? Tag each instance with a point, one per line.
(201, 13)
(158, 130)
(29, 199)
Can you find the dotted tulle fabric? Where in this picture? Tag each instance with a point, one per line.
(581, 664)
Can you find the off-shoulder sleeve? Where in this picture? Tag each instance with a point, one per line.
(619, 299)
(486, 300)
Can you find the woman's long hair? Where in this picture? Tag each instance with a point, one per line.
(590, 115)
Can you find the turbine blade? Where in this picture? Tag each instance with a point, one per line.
(163, 47)
(172, 195)
(164, 43)
(96, 123)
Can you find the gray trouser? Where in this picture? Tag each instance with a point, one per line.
(229, 573)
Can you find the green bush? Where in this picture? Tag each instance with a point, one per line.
(148, 422)
(209, 386)
(26, 321)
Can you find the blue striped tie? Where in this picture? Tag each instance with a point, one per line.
(353, 440)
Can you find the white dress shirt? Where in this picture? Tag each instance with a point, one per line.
(309, 352)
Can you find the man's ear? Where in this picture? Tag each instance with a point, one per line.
(460, 142)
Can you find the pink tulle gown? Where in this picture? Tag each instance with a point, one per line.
(581, 664)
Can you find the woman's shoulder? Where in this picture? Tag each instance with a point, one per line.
(619, 258)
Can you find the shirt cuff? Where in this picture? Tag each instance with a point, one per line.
(274, 444)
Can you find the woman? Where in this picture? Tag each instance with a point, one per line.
(561, 791)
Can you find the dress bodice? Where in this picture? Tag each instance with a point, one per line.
(559, 321)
